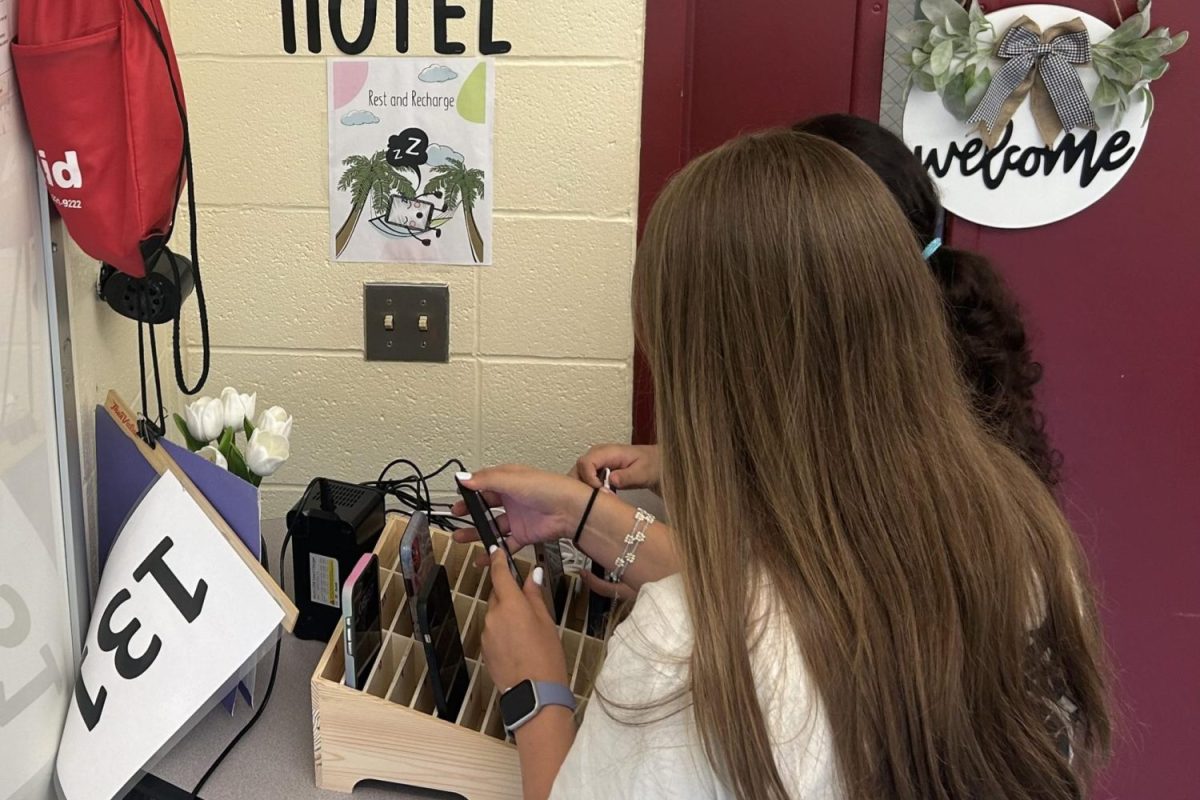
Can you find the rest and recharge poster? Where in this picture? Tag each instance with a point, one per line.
(410, 160)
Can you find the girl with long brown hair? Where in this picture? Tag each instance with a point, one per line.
(875, 597)
(986, 324)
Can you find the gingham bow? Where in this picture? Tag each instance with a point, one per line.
(1043, 63)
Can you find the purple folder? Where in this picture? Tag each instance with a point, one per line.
(123, 476)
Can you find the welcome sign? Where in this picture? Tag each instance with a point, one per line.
(1021, 181)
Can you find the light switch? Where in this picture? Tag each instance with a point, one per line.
(406, 322)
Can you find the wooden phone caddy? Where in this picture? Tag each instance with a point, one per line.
(389, 731)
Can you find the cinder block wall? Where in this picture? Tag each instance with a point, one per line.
(541, 341)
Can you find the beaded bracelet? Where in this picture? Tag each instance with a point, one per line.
(642, 520)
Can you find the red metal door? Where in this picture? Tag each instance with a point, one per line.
(716, 68)
(1112, 298)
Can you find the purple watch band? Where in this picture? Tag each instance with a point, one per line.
(553, 694)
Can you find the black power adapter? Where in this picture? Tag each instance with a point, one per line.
(331, 527)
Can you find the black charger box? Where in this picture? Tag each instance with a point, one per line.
(331, 527)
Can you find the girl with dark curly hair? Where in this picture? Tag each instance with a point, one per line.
(993, 349)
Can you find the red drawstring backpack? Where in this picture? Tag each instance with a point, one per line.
(105, 108)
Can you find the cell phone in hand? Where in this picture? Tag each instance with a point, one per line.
(416, 558)
(437, 628)
(361, 612)
(482, 518)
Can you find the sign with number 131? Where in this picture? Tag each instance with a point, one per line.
(176, 618)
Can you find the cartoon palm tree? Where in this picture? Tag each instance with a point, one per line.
(368, 179)
(461, 186)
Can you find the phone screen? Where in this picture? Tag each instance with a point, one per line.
(438, 626)
(363, 634)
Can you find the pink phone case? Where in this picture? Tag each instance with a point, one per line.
(348, 618)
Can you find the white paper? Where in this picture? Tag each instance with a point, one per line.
(410, 160)
(195, 660)
(8, 26)
(14, 140)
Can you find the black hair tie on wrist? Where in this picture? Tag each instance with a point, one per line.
(586, 513)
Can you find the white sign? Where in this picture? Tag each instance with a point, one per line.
(35, 644)
(177, 616)
(410, 160)
(1021, 183)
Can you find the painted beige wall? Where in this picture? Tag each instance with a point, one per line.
(541, 342)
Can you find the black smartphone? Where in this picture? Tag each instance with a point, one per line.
(438, 629)
(488, 535)
(598, 606)
(361, 614)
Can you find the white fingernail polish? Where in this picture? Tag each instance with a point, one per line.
(538, 575)
(463, 476)
(493, 549)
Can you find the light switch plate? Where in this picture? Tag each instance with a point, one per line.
(406, 304)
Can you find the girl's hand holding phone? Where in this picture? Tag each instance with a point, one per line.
(520, 639)
(538, 506)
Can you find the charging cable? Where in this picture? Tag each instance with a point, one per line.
(413, 493)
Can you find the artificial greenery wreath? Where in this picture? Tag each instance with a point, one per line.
(951, 50)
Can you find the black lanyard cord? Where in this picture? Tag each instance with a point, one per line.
(185, 167)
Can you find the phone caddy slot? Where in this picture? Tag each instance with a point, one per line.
(332, 526)
(390, 730)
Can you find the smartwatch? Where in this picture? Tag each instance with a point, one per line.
(522, 702)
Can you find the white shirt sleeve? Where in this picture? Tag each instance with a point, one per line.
(639, 736)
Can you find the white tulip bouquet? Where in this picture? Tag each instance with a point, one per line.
(210, 427)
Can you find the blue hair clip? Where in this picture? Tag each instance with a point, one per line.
(936, 243)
